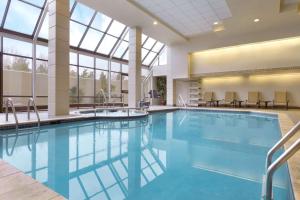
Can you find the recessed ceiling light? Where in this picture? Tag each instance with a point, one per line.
(155, 23)
(216, 23)
(256, 20)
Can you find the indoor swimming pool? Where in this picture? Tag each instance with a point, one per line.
(167, 155)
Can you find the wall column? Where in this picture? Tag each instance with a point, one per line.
(135, 64)
(58, 64)
(171, 96)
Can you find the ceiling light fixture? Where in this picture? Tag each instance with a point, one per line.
(256, 20)
(155, 23)
(216, 23)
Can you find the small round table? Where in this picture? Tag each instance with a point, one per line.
(266, 103)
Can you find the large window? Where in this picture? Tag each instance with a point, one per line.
(94, 38)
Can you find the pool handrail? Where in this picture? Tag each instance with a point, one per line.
(272, 167)
(10, 103)
(280, 143)
(180, 99)
(31, 102)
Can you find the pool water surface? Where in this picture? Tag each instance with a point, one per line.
(168, 155)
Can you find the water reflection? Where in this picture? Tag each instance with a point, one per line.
(166, 156)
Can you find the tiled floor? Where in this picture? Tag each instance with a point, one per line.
(18, 186)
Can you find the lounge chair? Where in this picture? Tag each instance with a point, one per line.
(207, 99)
(280, 99)
(230, 98)
(253, 99)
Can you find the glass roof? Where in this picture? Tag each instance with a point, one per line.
(89, 30)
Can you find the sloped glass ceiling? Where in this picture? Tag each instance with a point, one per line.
(90, 30)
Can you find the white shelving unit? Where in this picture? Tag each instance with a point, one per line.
(194, 93)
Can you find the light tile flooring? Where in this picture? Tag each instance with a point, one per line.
(18, 186)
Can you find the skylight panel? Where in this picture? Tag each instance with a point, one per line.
(101, 22)
(76, 33)
(19, 18)
(91, 39)
(3, 4)
(39, 3)
(116, 28)
(45, 28)
(121, 49)
(149, 43)
(107, 44)
(82, 14)
(150, 57)
(126, 56)
(144, 53)
(157, 47)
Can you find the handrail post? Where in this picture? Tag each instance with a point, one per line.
(280, 143)
(8, 102)
(275, 165)
(32, 102)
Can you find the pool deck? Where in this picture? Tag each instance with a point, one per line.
(14, 184)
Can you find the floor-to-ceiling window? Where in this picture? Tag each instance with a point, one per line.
(98, 54)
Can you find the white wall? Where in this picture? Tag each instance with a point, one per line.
(265, 55)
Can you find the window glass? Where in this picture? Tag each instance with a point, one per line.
(86, 61)
(115, 83)
(17, 47)
(91, 40)
(73, 90)
(124, 68)
(45, 28)
(73, 58)
(42, 82)
(39, 3)
(101, 22)
(42, 52)
(107, 44)
(126, 56)
(3, 4)
(71, 4)
(126, 38)
(124, 83)
(82, 14)
(149, 58)
(101, 64)
(145, 72)
(76, 33)
(157, 47)
(144, 53)
(101, 83)
(149, 43)
(144, 37)
(116, 28)
(116, 67)
(86, 84)
(19, 18)
(121, 49)
(17, 77)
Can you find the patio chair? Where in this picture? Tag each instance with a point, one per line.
(207, 99)
(253, 99)
(230, 98)
(280, 99)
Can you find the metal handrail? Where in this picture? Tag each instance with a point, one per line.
(182, 101)
(105, 98)
(31, 102)
(272, 167)
(280, 143)
(9, 102)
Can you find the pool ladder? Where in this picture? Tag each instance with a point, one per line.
(9, 103)
(267, 190)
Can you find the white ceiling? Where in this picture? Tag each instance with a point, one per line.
(188, 17)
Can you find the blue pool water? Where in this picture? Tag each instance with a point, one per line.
(175, 155)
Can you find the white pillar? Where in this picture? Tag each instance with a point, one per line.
(58, 64)
(135, 64)
(171, 94)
